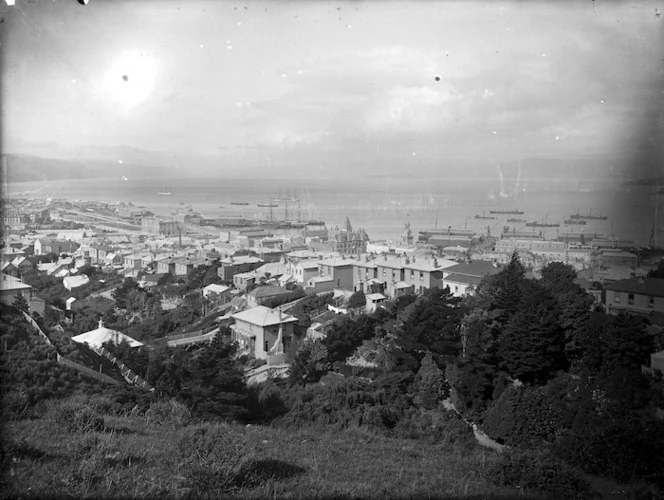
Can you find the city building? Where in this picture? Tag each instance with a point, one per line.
(154, 225)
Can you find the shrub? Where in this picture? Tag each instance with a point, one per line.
(625, 449)
(170, 413)
(212, 458)
(539, 472)
(77, 415)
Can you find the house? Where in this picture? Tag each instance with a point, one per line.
(166, 265)
(373, 301)
(231, 266)
(364, 270)
(242, 280)
(113, 259)
(642, 296)
(339, 269)
(261, 294)
(218, 290)
(71, 282)
(44, 246)
(260, 330)
(463, 278)
(11, 287)
(424, 273)
(132, 261)
(302, 270)
(96, 338)
(8, 254)
(320, 284)
(618, 258)
(184, 266)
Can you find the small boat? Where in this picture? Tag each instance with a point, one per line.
(484, 217)
(580, 222)
(516, 220)
(266, 205)
(239, 203)
(506, 212)
(165, 191)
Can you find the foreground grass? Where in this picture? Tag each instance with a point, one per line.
(129, 458)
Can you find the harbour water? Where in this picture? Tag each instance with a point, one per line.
(382, 205)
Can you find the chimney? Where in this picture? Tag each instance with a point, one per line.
(101, 323)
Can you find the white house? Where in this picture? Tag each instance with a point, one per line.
(71, 282)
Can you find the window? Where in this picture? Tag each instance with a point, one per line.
(421, 276)
(616, 298)
(630, 299)
(651, 302)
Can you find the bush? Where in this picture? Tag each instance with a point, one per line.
(212, 458)
(625, 449)
(443, 427)
(75, 415)
(170, 413)
(541, 473)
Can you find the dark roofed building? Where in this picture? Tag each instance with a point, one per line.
(642, 296)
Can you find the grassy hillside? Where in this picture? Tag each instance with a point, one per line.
(63, 454)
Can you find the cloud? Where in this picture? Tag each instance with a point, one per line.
(418, 109)
(288, 139)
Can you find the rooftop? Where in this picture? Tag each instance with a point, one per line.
(474, 268)
(653, 287)
(268, 291)
(463, 278)
(263, 316)
(95, 338)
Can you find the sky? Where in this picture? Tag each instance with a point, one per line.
(393, 84)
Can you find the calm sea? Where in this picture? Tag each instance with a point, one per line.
(382, 206)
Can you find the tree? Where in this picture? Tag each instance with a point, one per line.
(21, 303)
(310, 363)
(558, 277)
(357, 300)
(216, 387)
(429, 383)
(506, 288)
(531, 347)
(657, 272)
(431, 323)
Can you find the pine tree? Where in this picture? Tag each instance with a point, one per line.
(532, 345)
(506, 287)
(429, 383)
(21, 303)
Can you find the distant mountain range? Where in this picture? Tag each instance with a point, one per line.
(132, 162)
(25, 168)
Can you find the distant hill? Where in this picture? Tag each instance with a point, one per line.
(26, 168)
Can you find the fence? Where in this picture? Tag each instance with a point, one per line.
(130, 376)
(87, 371)
(29, 319)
